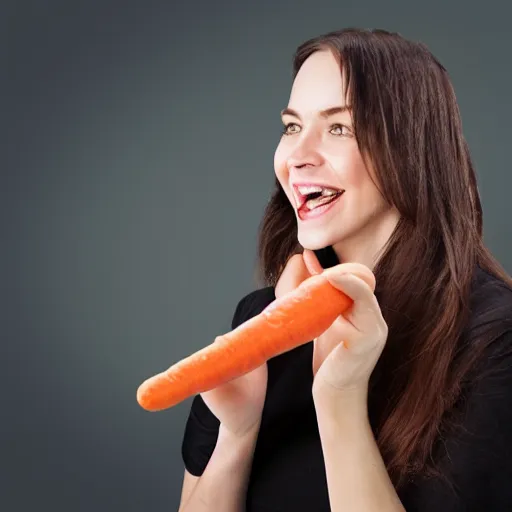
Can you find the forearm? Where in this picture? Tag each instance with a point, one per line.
(223, 484)
(357, 478)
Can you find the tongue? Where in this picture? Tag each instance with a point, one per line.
(319, 201)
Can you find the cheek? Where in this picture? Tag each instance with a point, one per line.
(366, 189)
(281, 170)
(356, 174)
(278, 158)
(358, 180)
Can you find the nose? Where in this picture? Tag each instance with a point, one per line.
(304, 153)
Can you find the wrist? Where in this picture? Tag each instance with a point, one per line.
(347, 406)
(247, 435)
(236, 450)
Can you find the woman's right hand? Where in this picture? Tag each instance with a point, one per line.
(238, 404)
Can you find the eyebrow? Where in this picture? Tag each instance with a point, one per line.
(323, 113)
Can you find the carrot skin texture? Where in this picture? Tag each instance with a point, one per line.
(288, 322)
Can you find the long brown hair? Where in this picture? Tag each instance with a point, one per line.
(407, 123)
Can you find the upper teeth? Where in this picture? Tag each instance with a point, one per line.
(309, 190)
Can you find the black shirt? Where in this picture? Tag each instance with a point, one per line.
(288, 472)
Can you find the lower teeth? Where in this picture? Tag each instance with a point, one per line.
(319, 201)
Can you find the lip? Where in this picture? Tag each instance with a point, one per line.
(301, 199)
(320, 211)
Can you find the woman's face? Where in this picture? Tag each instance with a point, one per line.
(319, 147)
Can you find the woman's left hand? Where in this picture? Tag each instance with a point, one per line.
(344, 355)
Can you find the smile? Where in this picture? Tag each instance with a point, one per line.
(311, 210)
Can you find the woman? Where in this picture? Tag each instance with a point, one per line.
(413, 410)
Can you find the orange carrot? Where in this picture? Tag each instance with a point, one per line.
(292, 320)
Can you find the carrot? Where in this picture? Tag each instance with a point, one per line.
(291, 320)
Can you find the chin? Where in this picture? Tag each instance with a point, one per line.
(315, 241)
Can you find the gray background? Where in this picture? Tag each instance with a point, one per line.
(139, 159)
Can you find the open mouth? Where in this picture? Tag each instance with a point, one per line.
(317, 199)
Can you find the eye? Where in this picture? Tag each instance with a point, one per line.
(340, 129)
(286, 129)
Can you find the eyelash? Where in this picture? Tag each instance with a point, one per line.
(335, 125)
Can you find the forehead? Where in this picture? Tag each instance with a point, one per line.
(318, 84)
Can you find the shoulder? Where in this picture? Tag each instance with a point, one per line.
(485, 349)
(252, 304)
(490, 307)
(490, 289)
(475, 444)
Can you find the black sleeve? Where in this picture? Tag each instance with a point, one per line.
(202, 426)
(478, 460)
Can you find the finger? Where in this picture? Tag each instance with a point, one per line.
(294, 273)
(364, 314)
(311, 262)
(358, 269)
